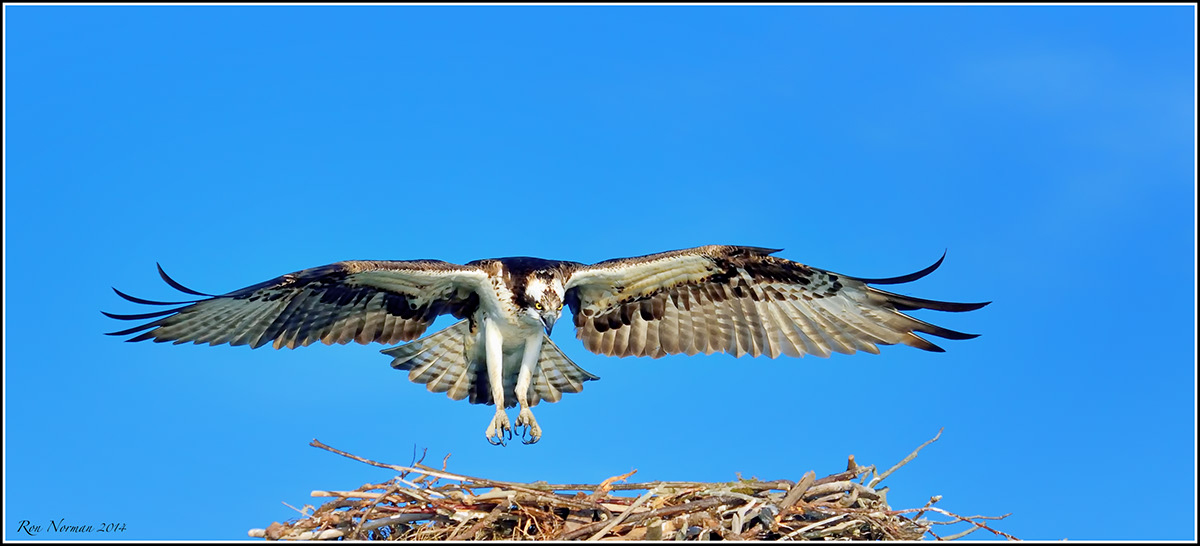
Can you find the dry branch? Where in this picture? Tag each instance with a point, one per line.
(423, 503)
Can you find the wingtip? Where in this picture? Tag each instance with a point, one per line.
(142, 301)
(907, 278)
(970, 306)
(176, 285)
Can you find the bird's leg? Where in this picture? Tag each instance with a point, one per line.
(494, 353)
(533, 350)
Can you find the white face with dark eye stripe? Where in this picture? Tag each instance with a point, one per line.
(544, 298)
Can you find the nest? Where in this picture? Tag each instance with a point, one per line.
(424, 503)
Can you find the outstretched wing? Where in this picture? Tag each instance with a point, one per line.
(740, 300)
(363, 301)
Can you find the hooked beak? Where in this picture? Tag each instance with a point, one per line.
(548, 322)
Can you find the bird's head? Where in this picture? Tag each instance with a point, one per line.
(542, 299)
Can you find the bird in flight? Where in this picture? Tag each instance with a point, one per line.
(712, 299)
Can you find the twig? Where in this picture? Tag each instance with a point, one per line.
(606, 485)
(694, 506)
(906, 460)
(932, 500)
(446, 475)
(496, 513)
(814, 525)
(623, 515)
(371, 507)
(960, 518)
(957, 536)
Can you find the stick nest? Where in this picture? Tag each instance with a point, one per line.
(424, 503)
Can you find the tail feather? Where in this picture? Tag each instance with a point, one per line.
(447, 362)
(555, 375)
(436, 361)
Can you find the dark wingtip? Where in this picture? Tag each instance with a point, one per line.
(974, 306)
(133, 330)
(175, 284)
(953, 334)
(907, 278)
(149, 302)
(142, 316)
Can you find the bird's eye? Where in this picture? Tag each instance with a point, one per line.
(560, 307)
(537, 306)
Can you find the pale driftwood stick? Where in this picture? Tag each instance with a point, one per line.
(413, 491)
(782, 485)
(842, 525)
(814, 525)
(838, 487)
(793, 496)
(371, 507)
(327, 534)
(493, 516)
(694, 506)
(623, 515)
(346, 494)
(957, 536)
(906, 460)
(446, 475)
(828, 501)
(866, 471)
(416, 487)
(852, 498)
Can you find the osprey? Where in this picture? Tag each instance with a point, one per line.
(729, 299)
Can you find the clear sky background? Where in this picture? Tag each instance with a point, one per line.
(1049, 149)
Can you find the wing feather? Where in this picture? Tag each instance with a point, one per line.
(362, 301)
(742, 300)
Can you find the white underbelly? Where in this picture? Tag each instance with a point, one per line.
(513, 338)
(514, 335)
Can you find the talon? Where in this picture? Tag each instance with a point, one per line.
(496, 431)
(525, 418)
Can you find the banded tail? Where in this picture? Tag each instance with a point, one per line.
(450, 361)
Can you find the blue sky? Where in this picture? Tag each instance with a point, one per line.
(1049, 149)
